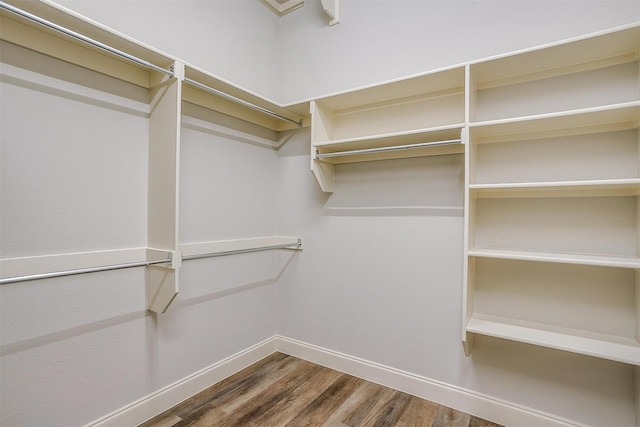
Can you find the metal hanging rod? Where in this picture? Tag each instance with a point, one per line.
(82, 38)
(243, 251)
(320, 156)
(241, 101)
(30, 277)
(139, 61)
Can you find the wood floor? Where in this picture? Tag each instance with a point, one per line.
(281, 390)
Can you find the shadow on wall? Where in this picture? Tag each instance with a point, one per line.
(47, 339)
(235, 289)
(423, 186)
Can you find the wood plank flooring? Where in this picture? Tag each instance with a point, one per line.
(282, 390)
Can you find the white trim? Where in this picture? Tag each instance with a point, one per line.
(148, 407)
(480, 405)
(281, 8)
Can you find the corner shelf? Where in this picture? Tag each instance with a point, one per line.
(592, 71)
(421, 109)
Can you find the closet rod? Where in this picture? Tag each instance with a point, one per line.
(241, 101)
(16, 279)
(82, 38)
(137, 60)
(243, 251)
(320, 156)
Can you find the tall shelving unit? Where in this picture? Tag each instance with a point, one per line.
(552, 206)
(552, 184)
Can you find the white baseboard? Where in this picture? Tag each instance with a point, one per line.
(496, 410)
(169, 396)
(470, 402)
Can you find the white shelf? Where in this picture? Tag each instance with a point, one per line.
(582, 73)
(558, 257)
(607, 187)
(588, 120)
(566, 57)
(420, 109)
(620, 349)
(394, 138)
(436, 134)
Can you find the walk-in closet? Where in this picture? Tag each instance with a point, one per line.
(434, 202)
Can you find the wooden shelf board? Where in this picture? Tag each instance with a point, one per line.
(574, 122)
(620, 349)
(555, 257)
(591, 51)
(26, 33)
(400, 154)
(435, 81)
(604, 188)
(432, 134)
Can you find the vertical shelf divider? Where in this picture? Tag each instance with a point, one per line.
(162, 281)
(322, 171)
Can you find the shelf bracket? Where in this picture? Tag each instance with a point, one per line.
(162, 283)
(332, 8)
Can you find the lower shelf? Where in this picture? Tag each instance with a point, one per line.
(620, 349)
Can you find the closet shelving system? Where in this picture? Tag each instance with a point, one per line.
(419, 116)
(46, 28)
(552, 185)
(552, 172)
(552, 216)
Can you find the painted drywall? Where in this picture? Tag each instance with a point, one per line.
(235, 40)
(74, 179)
(380, 279)
(380, 40)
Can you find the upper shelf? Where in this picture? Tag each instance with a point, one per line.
(572, 122)
(397, 108)
(591, 52)
(40, 28)
(419, 116)
(57, 32)
(421, 142)
(591, 72)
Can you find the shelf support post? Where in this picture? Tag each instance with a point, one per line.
(162, 282)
